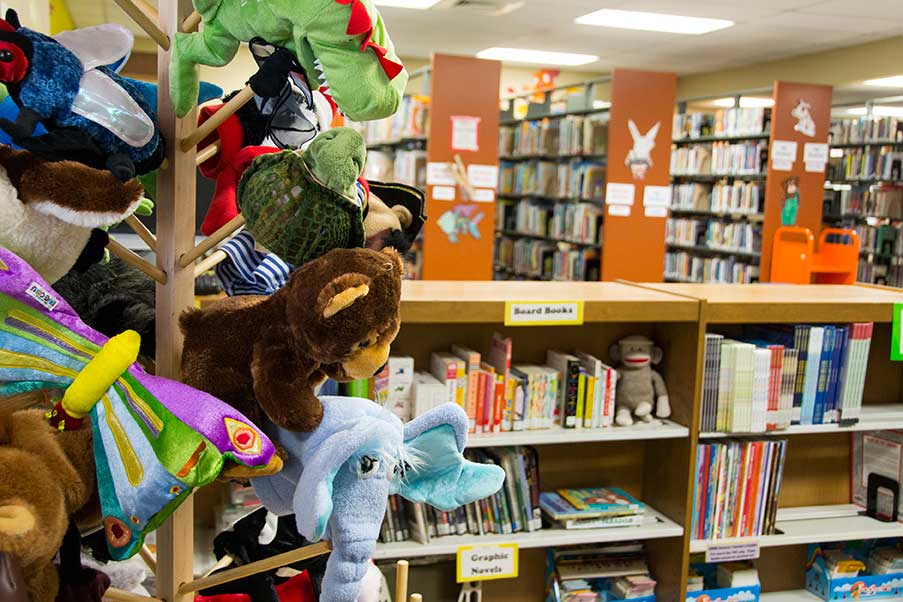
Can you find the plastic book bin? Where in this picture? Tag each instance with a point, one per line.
(864, 587)
(795, 259)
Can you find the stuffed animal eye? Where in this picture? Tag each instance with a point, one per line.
(6, 56)
(369, 465)
(363, 344)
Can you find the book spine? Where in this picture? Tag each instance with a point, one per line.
(801, 343)
(581, 397)
(824, 374)
(572, 375)
(813, 361)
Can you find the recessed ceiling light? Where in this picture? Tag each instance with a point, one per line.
(536, 57)
(894, 81)
(885, 111)
(417, 4)
(755, 102)
(630, 19)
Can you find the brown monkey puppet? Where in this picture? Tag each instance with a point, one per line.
(48, 477)
(336, 316)
(640, 389)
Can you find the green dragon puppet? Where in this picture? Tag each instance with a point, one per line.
(342, 44)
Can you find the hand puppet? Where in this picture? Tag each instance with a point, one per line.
(337, 478)
(394, 215)
(49, 210)
(47, 476)
(66, 84)
(342, 45)
(640, 390)
(154, 439)
(336, 317)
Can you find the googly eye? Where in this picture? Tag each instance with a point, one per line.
(363, 344)
(368, 466)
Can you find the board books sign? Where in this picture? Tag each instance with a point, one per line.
(485, 563)
(543, 313)
(730, 552)
(896, 348)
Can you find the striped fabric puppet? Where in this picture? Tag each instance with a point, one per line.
(154, 439)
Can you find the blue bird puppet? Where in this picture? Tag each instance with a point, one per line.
(92, 114)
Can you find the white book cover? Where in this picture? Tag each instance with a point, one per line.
(427, 393)
(810, 384)
(725, 384)
(744, 372)
(761, 385)
(788, 381)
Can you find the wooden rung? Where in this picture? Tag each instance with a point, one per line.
(135, 260)
(416, 598)
(208, 152)
(215, 120)
(149, 559)
(147, 18)
(401, 580)
(141, 230)
(191, 22)
(209, 262)
(117, 595)
(259, 566)
(211, 241)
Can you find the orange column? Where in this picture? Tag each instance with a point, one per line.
(638, 175)
(458, 237)
(801, 115)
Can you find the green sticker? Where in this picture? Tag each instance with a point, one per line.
(896, 351)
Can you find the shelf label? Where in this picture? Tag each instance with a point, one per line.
(896, 348)
(729, 552)
(543, 313)
(484, 563)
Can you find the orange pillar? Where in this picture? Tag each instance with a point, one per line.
(801, 116)
(458, 237)
(638, 175)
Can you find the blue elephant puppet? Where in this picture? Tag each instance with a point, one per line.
(337, 478)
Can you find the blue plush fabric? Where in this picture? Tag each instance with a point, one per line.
(338, 477)
(50, 88)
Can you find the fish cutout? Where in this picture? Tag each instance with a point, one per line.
(155, 439)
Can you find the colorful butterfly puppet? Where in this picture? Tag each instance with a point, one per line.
(154, 439)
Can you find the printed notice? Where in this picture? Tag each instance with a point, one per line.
(543, 313)
(896, 348)
(815, 152)
(440, 174)
(484, 563)
(465, 133)
(783, 154)
(655, 211)
(483, 195)
(443, 193)
(619, 194)
(483, 176)
(729, 552)
(815, 167)
(619, 210)
(657, 196)
(880, 456)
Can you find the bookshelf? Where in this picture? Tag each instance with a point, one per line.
(552, 154)
(864, 190)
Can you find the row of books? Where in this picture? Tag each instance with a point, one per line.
(721, 197)
(844, 200)
(543, 260)
(885, 240)
(719, 158)
(410, 121)
(880, 162)
(399, 165)
(723, 575)
(576, 179)
(514, 509)
(572, 135)
(592, 508)
(736, 489)
(686, 267)
(598, 573)
(578, 222)
(729, 122)
(887, 275)
(714, 234)
(776, 376)
(866, 129)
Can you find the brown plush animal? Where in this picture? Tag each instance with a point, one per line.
(47, 477)
(336, 317)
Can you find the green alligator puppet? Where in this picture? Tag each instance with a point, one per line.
(342, 44)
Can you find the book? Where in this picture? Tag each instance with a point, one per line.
(810, 383)
(427, 393)
(609, 501)
(499, 357)
(603, 522)
(471, 360)
(444, 366)
(569, 367)
(824, 372)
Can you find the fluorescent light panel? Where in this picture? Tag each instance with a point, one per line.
(895, 81)
(727, 102)
(630, 19)
(415, 4)
(536, 57)
(755, 102)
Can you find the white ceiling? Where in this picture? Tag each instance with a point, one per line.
(764, 30)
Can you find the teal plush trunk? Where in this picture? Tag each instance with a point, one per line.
(342, 45)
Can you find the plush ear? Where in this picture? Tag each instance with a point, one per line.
(436, 471)
(634, 131)
(341, 293)
(653, 131)
(12, 17)
(657, 354)
(614, 352)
